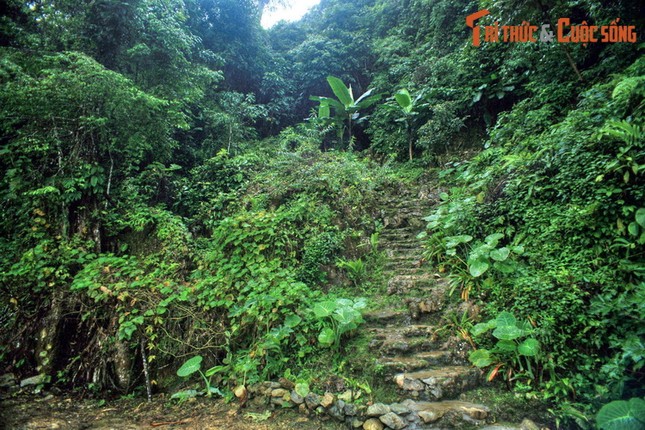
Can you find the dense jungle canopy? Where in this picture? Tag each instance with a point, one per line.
(180, 185)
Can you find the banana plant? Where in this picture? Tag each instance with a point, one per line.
(409, 109)
(345, 107)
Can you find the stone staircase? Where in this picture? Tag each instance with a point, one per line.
(429, 373)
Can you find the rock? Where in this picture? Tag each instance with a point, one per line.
(350, 410)
(529, 425)
(481, 414)
(34, 380)
(347, 396)
(281, 402)
(286, 384)
(408, 384)
(7, 380)
(338, 410)
(377, 409)
(399, 409)
(312, 400)
(357, 423)
(373, 424)
(271, 385)
(429, 416)
(302, 408)
(327, 400)
(297, 398)
(394, 421)
(321, 411)
(279, 392)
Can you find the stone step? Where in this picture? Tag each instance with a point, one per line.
(445, 414)
(404, 267)
(399, 231)
(387, 316)
(410, 363)
(401, 238)
(406, 283)
(407, 271)
(405, 258)
(398, 343)
(390, 232)
(399, 248)
(396, 253)
(438, 383)
(412, 330)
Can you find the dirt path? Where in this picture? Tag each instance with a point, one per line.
(50, 412)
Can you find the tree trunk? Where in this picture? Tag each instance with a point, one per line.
(47, 347)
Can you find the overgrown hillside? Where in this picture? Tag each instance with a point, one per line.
(177, 182)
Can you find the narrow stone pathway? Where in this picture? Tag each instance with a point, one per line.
(429, 374)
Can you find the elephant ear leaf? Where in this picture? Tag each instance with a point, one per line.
(622, 415)
(190, 366)
(340, 91)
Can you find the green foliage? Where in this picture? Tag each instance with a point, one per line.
(191, 366)
(356, 270)
(346, 109)
(134, 182)
(338, 317)
(515, 349)
(546, 223)
(622, 415)
(487, 255)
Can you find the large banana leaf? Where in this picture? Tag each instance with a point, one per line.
(341, 91)
(367, 101)
(404, 100)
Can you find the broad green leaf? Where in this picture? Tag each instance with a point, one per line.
(481, 328)
(500, 254)
(453, 241)
(493, 239)
(618, 415)
(360, 303)
(637, 406)
(507, 332)
(292, 321)
(480, 358)
(341, 91)
(633, 229)
(477, 267)
(529, 348)
(346, 316)
(343, 302)
(363, 96)
(190, 366)
(368, 101)
(302, 389)
(339, 108)
(506, 319)
(324, 309)
(505, 266)
(327, 336)
(505, 346)
(507, 328)
(640, 217)
(324, 111)
(404, 100)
